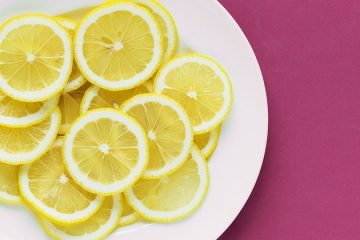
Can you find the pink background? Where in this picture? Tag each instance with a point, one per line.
(309, 186)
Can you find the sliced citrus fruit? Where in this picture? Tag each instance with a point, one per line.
(9, 183)
(76, 79)
(101, 224)
(128, 216)
(18, 114)
(118, 46)
(96, 97)
(167, 26)
(201, 86)
(168, 128)
(172, 197)
(69, 104)
(106, 151)
(35, 58)
(2, 96)
(208, 141)
(49, 190)
(25, 145)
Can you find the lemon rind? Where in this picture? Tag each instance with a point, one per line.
(164, 100)
(91, 185)
(159, 85)
(210, 147)
(10, 199)
(115, 215)
(137, 79)
(166, 217)
(17, 159)
(65, 71)
(31, 119)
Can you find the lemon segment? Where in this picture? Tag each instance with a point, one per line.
(106, 151)
(35, 58)
(168, 129)
(201, 86)
(25, 145)
(18, 114)
(172, 197)
(9, 184)
(96, 97)
(76, 79)
(69, 105)
(118, 46)
(167, 25)
(101, 224)
(207, 142)
(49, 190)
(129, 216)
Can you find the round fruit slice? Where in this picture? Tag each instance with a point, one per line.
(2, 96)
(18, 114)
(207, 142)
(106, 151)
(76, 78)
(118, 46)
(172, 197)
(35, 58)
(128, 216)
(49, 190)
(96, 97)
(167, 26)
(70, 107)
(201, 86)
(168, 128)
(9, 183)
(101, 224)
(25, 145)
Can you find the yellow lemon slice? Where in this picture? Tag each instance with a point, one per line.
(167, 25)
(69, 105)
(9, 183)
(35, 58)
(49, 190)
(101, 224)
(128, 216)
(25, 145)
(18, 114)
(76, 78)
(168, 129)
(208, 141)
(106, 151)
(201, 86)
(172, 197)
(118, 46)
(96, 97)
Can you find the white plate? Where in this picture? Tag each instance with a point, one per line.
(206, 27)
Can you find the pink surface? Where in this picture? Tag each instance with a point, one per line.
(309, 52)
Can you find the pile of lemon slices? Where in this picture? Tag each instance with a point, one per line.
(101, 124)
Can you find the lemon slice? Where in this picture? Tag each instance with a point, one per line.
(128, 216)
(49, 190)
(106, 151)
(118, 46)
(9, 183)
(168, 129)
(96, 97)
(101, 224)
(25, 145)
(2, 96)
(167, 26)
(172, 197)
(201, 86)
(76, 78)
(69, 105)
(18, 114)
(207, 142)
(35, 58)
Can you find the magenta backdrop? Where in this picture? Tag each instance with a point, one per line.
(309, 186)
